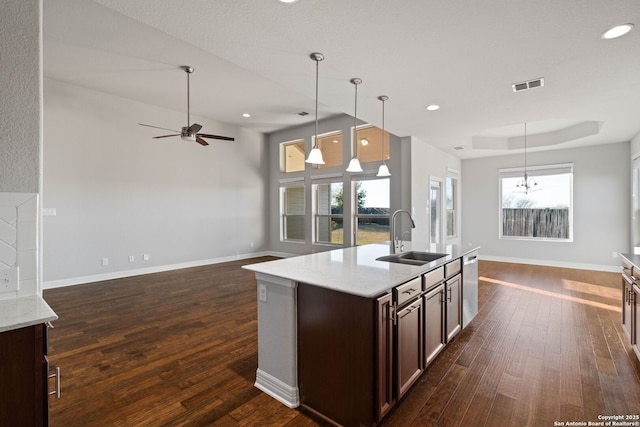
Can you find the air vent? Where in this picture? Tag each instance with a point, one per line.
(459, 147)
(531, 84)
(303, 113)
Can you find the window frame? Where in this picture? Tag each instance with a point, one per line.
(284, 185)
(316, 208)
(451, 212)
(283, 153)
(354, 201)
(533, 172)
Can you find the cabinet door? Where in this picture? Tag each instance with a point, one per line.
(433, 323)
(635, 336)
(409, 346)
(627, 295)
(384, 356)
(454, 320)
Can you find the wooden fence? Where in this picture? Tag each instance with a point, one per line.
(543, 223)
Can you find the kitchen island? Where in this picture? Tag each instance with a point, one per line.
(346, 334)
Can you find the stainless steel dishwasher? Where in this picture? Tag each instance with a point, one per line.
(469, 287)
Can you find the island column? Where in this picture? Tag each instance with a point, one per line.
(277, 373)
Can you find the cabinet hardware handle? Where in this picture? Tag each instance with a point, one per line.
(392, 313)
(450, 292)
(409, 291)
(50, 325)
(56, 375)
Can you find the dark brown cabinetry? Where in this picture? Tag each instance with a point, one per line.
(409, 345)
(635, 337)
(453, 290)
(23, 376)
(384, 355)
(434, 339)
(631, 299)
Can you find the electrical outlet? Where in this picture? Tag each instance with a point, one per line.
(132, 258)
(251, 244)
(614, 254)
(105, 261)
(146, 257)
(9, 279)
(262, 293)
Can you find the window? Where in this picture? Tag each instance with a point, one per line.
(370, 144)
(331, 146)
(372, 201)
(451, 194)
(292, 198)
(545, 214)
(292, 156)
(329, 225)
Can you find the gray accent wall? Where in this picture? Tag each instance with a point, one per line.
(399, 168)
(119, 193)
(601, 206)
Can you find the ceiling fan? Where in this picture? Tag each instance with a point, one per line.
(190, 132)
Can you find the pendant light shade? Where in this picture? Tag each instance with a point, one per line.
(354, 164)
(383, 170)
(315, 156)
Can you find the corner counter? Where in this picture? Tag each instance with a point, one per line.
(351, 272)
(25, 311)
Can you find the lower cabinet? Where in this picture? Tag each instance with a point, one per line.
(453, 290)
(409, 346)
(627, 297)
(384, 355)
(434, 339)
(24, 377)
(635, 338)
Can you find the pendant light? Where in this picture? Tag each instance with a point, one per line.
(315, 156)
(526, 185)
(383, 170)
(354, 164)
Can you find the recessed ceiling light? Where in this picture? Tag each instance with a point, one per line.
(247, 115)
(288, 1)
(617, 31)
(433, 107)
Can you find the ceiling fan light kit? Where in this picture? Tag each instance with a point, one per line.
(189, 133)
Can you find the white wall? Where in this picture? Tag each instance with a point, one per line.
(601, 194)
(426, 162)
(118, 192)
(20, 102)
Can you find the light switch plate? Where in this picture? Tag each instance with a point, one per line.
(9, 279)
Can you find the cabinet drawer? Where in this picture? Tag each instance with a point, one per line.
(433, 277)
(452, 268)
(408, 291)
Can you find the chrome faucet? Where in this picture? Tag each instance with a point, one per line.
(394, 240)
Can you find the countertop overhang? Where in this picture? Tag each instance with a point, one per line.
(355, 270)
(16, 313)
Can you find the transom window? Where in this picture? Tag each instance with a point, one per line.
(292, 156)
(543, 213)
(370, 144)
(330, 144)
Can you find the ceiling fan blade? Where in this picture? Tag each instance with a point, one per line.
(201, 141)
(224, 138)
(165, 136)
(194, 128)
(157, 127)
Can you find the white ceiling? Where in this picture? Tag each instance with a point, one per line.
(253, 56)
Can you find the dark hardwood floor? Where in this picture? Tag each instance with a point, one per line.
(180, 349)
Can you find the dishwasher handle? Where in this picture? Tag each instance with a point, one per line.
(471, 260)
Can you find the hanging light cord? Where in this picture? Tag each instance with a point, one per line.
(355, 120)
(315, 141)
(383, 99)
(188, 91)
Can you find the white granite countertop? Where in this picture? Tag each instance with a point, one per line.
(20, 312)
(355, 270)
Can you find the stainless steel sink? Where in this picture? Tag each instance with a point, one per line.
(412, 257)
